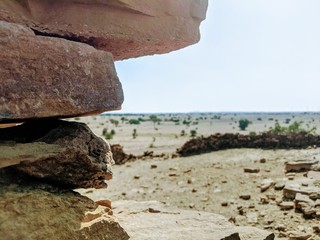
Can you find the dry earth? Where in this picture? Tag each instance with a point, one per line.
(210, 182)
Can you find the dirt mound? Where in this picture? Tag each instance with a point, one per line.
(264, 141)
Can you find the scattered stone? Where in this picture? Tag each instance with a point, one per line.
(299, 166)
(153, 166)
(245, 196)
(266, 184)
(137, 177)
(299, 236)
(173, 175)
(281, 227)
(263, 160)
(279, 185)
(286, 205)
(194, 190)
(190, 180)
(224, 204)
(251, 170)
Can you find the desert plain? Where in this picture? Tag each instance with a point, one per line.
(213, 182)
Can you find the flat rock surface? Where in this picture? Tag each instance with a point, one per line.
(52, 77)
(153, 220)
(31, 210)
(305, 186)
(82, 159)
(125, 28)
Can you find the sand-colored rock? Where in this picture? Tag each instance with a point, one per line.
(83, 160)
(51, 77)
(153, 220)
(125, 28)
(301, 165)
(304, 186)
(32, 210)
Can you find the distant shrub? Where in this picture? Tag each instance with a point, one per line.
(115, 122)
(183, 133)
(134, 133)
(108, 135)
(134, 121)
(295, 127)
(243, 124)
(193, 133)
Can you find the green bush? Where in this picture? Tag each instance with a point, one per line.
(193, 133)
(243, 124)
(134, 121)
(295, 127)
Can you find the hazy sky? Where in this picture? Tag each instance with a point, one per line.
(253, 56)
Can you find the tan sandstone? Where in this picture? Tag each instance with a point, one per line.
(125, 28)
(50, 77)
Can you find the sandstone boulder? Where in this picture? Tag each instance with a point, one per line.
(153, 220)
(32, 210)
(82, 159)
(52, 77)
(125, 28)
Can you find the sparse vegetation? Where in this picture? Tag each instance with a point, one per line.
(243, 124)
(134, 121)
(295, 127)
(108, 135)
(193, 133)
(134, 133)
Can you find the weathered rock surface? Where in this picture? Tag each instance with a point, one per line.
(152, 220)
(51, 77)
(304, 186)
(125, 28)
(82, 160)
(32, 210)
(299, 166)
(12, 153)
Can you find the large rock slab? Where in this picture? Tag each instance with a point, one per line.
(52, 77)
(81, 158)
(32, 210)
(153, 220)
(306, 186)
(125, 28)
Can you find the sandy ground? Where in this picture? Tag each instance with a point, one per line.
(211, 182)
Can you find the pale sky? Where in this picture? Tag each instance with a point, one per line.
(254, 55)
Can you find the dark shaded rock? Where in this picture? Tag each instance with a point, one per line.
(34, 210)
(85, 161)
(265, 140)
(52, 77)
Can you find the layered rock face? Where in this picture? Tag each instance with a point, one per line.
(125, 28)
(51, 77)
(57, 61)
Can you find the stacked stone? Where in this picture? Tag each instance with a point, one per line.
(57, 61)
